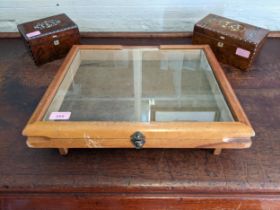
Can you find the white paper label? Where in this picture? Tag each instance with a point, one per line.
(60, 116)
(243, 53)
(34, 33)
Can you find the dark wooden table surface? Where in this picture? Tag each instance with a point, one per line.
(126, 178)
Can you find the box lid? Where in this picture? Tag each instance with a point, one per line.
(232, 29)
(46, 26)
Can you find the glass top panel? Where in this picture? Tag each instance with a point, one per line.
(140, 85)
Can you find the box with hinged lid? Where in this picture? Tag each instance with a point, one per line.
(139, 97)
(49, 38)
(234, 43)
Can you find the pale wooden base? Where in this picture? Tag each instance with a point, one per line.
(63, 145)
(88, 142)
(63, 151)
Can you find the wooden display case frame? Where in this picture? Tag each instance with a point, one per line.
(89, 134)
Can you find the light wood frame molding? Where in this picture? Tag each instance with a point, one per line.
(63, 135)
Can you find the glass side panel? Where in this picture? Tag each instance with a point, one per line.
(141, 85)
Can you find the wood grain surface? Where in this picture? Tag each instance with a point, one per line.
(244, 179)
(87, 34)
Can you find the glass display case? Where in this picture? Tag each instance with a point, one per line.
(139, 97)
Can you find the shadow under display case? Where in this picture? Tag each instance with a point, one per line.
(139, 97)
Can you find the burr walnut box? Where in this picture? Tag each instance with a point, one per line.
(49, 38)
(139, 97)
(234, 43)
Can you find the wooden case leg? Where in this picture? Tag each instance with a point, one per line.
(217, 151)
(63, 151)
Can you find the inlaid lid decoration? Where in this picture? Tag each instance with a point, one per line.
(233, 28)
(46, 24)
(224, 24)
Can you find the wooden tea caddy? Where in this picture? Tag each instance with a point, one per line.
(49, 38)
(233, 42)
(139, 97)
